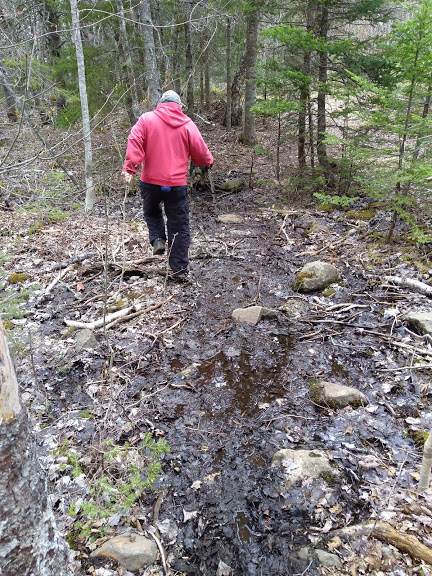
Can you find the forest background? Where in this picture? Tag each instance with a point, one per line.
(348, 81)
(347, 86)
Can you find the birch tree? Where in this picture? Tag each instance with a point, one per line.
(90, 197)
(29, 540)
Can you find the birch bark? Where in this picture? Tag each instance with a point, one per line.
(90, 197)
(30, 543)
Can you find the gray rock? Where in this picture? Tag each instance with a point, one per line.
(301, 464)
(315, 276)
(421, 322)
(133, 551)
(229, 219)
(85, 340)
(253, 314)
(268, 313)
(294, 307)
(325, 558)
(250, 315)
(232, 184)
(339, 396)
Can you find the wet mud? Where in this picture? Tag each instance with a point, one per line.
(228, 396)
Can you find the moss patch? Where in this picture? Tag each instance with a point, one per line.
(364, 215)
(17, 278)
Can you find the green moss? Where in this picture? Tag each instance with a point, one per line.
(326, 207)
(299, 282)
(18, 278)
(315, 391)
(329, 291)
(328, 477)
(419, 437)
(364, 215)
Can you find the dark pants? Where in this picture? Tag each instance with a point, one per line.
(176, 206)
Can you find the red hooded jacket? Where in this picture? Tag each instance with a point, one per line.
(162, 141)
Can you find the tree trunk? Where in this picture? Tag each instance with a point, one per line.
(30, 542)
(228, 76)
(207, 81)
(251, 51)
(175, 60)
(321, 100)
(133, 109)
(236, 88)
(11, 107)
(304, 93)
(189, 71)
(425, 114)
(151, 65)
(90, 198)
(202, 67)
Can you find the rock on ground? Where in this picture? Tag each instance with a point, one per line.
(315, 276)
(301, 464)
(132, 551)
(338, 396)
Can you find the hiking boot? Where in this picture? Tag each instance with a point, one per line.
(158, 246)
(180, 278)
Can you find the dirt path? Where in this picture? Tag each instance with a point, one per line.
(226, 396)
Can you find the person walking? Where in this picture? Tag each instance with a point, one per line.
(162, 141)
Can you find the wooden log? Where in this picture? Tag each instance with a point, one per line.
(405, 542)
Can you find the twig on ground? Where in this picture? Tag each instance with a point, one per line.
(57, 279)
(330, 246)
(110, 319)
(410, 283)
(73, 260)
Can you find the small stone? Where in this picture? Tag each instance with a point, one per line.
(229, 219)
(420, 321)
(301, 464)
(315, 276)
(251, 315)
(133, 551)
(325, 558)
(339, 396)
(232, 184)
(85, 340)
(294, 307)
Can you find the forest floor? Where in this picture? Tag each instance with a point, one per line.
(178, 371)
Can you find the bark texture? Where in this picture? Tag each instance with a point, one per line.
(151, 63)
(30, 544)
(251, 51)
(88, 154)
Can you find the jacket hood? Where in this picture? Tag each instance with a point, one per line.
(171, 114)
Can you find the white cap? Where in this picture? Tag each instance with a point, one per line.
(170, 96)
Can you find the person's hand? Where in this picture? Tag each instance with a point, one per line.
(127, 177)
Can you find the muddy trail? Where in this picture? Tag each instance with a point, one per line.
(225, 395)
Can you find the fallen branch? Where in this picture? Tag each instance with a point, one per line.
(405, 542)
(386, 533)
(110, 319)
(99, 323)
(410, 283)
(57, 279)
(73, 260)
(138, 312)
